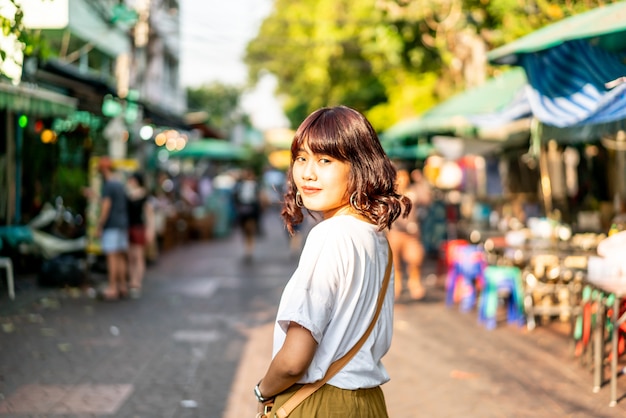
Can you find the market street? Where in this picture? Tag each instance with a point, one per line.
(200, 337)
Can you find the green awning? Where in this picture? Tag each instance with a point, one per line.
(453, 115)
(213, 149)
(606, 25)
(491, 97)
(35, 101)
(407, 130)
(421, 151)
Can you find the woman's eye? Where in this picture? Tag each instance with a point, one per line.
(300, 159)
(325, 161)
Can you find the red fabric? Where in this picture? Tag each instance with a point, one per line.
(137, 235)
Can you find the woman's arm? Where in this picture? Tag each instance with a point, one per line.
(148, 211)
(291, 361)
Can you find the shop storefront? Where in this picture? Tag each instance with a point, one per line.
(27, 117)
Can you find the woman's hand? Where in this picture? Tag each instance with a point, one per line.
(262, 408)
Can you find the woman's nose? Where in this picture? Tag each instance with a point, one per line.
(308, 172)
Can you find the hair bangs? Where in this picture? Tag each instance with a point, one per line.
(319, 133)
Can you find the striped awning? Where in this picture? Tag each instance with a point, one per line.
(571, 84)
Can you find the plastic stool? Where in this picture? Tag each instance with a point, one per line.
(8, 264)
(465, 276)
(446, 254)
(501, 280)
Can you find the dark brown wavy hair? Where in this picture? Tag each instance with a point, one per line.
(346, 135)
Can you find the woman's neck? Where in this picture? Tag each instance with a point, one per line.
(348, 210)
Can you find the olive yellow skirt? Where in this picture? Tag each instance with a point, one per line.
(332, 402)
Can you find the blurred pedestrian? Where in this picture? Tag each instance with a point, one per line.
(205, 188)
(274, 185)
(189, 196)
(112, 229)
(404, 236)
(248, 205)
(141, 231)
(340, 171)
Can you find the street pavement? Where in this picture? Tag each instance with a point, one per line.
(199, 339)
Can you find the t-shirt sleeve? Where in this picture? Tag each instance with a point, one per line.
(107, 190)
(311, 292)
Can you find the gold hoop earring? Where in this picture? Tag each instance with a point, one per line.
(353, 198)
(299, 202)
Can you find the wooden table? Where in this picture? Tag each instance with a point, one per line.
(616, 286)
(568, 279)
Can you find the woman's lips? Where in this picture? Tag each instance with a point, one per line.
(310, 190)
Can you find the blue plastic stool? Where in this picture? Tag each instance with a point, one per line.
(465, 276)
(501, 280)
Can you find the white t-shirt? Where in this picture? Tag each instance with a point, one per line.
(333, 294)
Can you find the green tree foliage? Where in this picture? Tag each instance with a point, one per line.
(219, 101)
(389, 58)
(317, 49)
(25, 42)
(11, 17)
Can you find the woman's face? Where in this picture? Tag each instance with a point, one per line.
(131, 183)
(322, 182)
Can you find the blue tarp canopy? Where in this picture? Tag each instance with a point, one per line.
(570, 84)
(575, 70)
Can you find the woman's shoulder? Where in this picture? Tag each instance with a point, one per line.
(342, 228)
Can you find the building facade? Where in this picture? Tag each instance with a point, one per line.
(104, 70)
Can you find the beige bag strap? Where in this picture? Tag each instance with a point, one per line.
(308, 389)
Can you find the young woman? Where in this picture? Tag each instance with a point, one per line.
(340, 171)
(140, 216)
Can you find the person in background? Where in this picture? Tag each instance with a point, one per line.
(189, 196)
(112, 229)
(248, 205)
(141, 231)
(404, 236)
(339, 171)
(205, 188)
